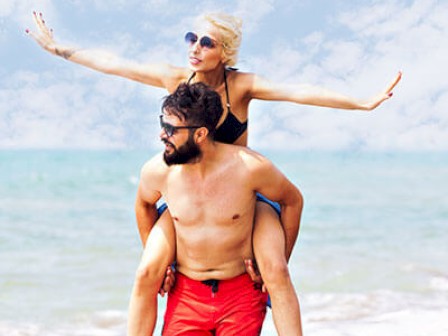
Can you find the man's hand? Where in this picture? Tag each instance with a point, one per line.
(252, 270)
(169, 281)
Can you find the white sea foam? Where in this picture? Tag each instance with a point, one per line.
(370, 259)
(384, 313)
(107, 323)
(407, 322)
(439, 283)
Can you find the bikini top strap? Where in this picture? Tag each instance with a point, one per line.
(191, 77)
(227, 91)
(225, 86)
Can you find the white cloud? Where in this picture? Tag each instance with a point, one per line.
(48, 111)
(6, 7)
(252, 12)
(84, 108)
(20, 11)
(385, 38)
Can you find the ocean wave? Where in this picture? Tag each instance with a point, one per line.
(106, 323)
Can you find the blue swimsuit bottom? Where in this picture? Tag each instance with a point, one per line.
(260, 198)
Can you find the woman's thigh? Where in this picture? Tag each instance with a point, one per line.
(268, 236)
(160, 247)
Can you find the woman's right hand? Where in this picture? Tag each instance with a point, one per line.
(103, 61)
(43, 36)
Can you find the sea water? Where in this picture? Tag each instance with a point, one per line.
(371, 258)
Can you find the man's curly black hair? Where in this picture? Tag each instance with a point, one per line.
(196, 104)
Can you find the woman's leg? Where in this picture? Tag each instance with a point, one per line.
(269, 250)
(158, 254)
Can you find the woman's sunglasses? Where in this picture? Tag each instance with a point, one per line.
(170, 129)
(204, 42)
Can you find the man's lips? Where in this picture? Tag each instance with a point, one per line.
(167, 144)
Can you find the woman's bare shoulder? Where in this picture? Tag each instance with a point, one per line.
(241, 83)
(240, 76)
(177, 75)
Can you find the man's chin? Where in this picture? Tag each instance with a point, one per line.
(167, 158)
(170, 160)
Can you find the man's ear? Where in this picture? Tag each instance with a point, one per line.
(200, 135)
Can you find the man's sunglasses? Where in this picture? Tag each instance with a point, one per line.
(170, 129)
(204, 42)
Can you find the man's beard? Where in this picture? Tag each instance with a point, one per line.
(184, 154)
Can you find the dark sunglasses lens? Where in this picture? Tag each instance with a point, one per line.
(207, 42)
(191, 38)
(169, 129)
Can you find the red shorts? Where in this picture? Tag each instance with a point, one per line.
(215, 307)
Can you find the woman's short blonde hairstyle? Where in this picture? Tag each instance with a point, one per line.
(229, 27)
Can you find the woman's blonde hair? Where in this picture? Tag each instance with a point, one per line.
(229, 27)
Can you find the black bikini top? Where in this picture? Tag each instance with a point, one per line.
(231, 129)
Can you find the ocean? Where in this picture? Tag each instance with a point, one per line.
(371, 258)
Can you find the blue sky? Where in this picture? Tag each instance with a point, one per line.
(353, 47)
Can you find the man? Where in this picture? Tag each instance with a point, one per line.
(210, 189)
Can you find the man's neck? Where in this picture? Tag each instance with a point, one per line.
(206, 162)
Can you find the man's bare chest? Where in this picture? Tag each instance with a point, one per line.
(213, 201)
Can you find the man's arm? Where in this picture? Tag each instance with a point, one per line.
(147, 197)
(274, 185)
(146, 215)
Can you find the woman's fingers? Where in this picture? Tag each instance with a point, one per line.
(43, 35)
(385, 95)
(394, 82)
(40, 23)
(37, 21)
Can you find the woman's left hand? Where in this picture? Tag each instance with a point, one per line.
(375, 101)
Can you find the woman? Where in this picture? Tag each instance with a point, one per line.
(213, 49)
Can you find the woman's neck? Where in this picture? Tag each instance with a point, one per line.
(213, 78)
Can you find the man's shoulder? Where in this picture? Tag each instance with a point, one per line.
(246, 156)
(155, 165)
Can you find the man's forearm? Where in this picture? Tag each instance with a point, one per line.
(290, 218)
(146, 216)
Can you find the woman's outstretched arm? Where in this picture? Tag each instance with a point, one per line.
(310, 95)
(152, 74)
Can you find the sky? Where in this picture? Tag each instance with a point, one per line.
(351, 47)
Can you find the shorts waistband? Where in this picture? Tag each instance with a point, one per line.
(185, 283)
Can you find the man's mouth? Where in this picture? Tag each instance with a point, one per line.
(167, 144)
